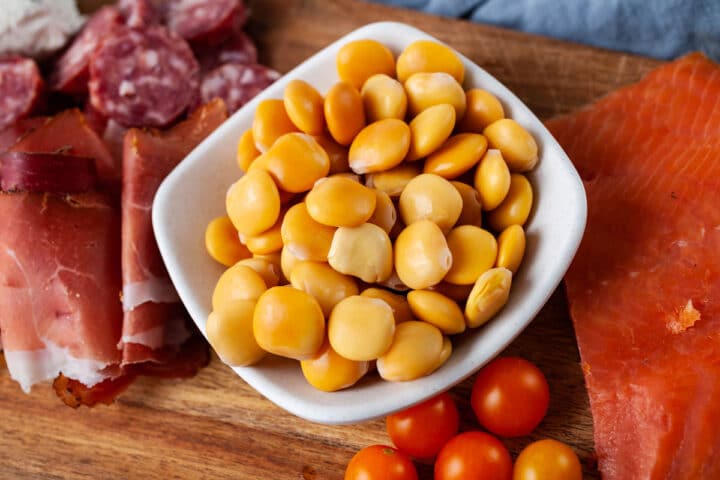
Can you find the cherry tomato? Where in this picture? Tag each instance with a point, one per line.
(510, 397)
(547, 460)
(380, 462)
(473, 455)
(422, 430)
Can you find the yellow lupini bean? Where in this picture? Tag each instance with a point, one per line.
(296, 162)
(515, 208)
(253, 203)
(383, 97)
(364, 251)
(288, 262)
(492, 179)
(427, 89)
(471, 213)
(456, 156)
(304, 107)
(265, 267)
(344, 112)
(398, 303)
(483, 108)
(361, 328)
(422, 256)
(474, 251)
(518, 147)
(289, 322)
(431, 197)
(271, 121)
(222, 242)
(361, 59)
(322, 282)
(511, 248)
(379, 146)
(238, 282)
(340, 202)
(437, 309)
(428, 56)
(394, 180)
(385, 214)
(328, 371)
(337, 154)
(246, 151)
(269, 241)
(489, 294)
(429, 130)
(305, 238)
(415, 352)
(230, 333)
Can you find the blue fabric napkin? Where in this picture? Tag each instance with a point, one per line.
(658, 28)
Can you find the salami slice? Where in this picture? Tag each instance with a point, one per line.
(71, 70)
(236, 84)
(143, 77)
(207, 22)
(21, 89)
(139, 13)
(239, 48)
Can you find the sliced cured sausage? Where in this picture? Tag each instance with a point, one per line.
(239, 48)
(206, 22)
(143, 77)
(236, 84)
(71, 72)
(21, 89)
(139, 13)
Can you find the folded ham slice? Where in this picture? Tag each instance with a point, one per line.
(154, 321)
(59, 286)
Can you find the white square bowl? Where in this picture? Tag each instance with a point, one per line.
(194, 193)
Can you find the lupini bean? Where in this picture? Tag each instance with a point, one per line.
(383, 97)
(289, 322)
(222, 242)
(364, 252)
(422, 256)
(428, 56)
(361, 328)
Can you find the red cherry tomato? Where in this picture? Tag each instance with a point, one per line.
(510, 397)
(422, 430)
(380, 462)
(547, 459)
(473, 455)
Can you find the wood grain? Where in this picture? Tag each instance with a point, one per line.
(214, 425)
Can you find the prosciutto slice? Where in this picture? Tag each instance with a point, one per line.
(154, 320)
(59, 287)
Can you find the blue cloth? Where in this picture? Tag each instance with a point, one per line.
(658, 28)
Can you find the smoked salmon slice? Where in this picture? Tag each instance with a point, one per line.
(644, 288)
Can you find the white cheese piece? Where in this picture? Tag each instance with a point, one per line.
(37, 28)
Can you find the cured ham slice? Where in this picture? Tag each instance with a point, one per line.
(69, 132)
(154, 322)
(644, 289)
(59, 287)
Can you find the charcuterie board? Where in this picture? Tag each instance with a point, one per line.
(216, 426)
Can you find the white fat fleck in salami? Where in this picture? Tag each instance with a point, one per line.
(236, 84)
(21, 89)
(70, 74)
(143, 77)
(207, 22)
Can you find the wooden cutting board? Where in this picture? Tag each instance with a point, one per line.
(214, 425)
